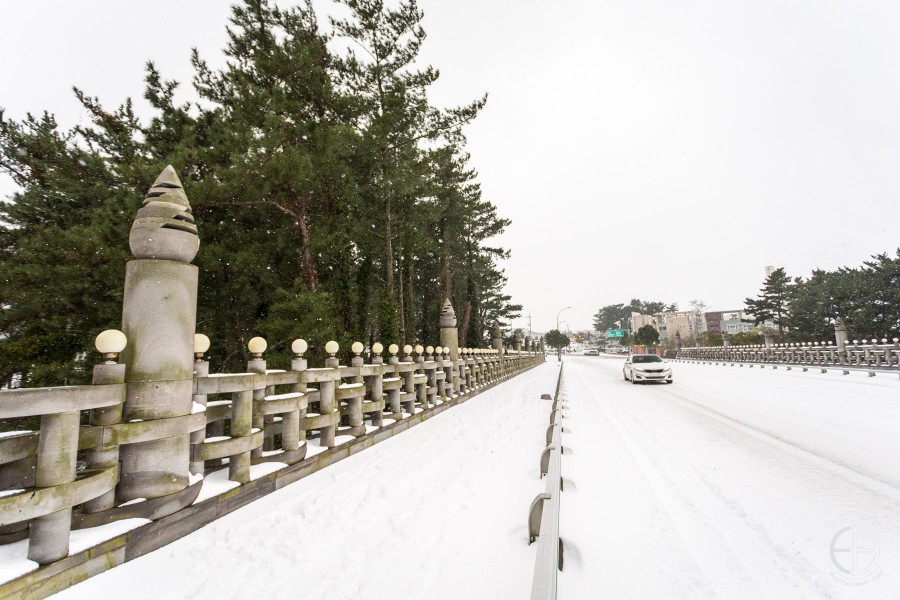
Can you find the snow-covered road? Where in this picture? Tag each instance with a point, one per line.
(730, 483)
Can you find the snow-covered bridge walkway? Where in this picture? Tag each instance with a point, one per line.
(730, 483)
(439, 511)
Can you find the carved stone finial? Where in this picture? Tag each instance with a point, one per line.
(164, 227)
(448, 315)
(496, 333)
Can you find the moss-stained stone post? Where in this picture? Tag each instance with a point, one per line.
(159, 315)
(376, 383)
(497, 339)
(409, 381)
(394, 392)
(355, 418)
(421, 391)
(104, 456)
(289, 439)
(449, 333)
(840, 340)
(257, 364)
(327, 396)
(57, 448)
(201, 369)
(430, 376)
(770, 345)
(441, 381)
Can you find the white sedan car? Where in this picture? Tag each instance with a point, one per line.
(646, 367)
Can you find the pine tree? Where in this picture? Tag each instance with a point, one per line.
(773, 302)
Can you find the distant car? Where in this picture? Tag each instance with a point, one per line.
(646, 367)
(591, 352)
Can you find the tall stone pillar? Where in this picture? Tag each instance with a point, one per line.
(677, 341)
(449, 333)
(840, 339)
(159, 315)
(497, 339)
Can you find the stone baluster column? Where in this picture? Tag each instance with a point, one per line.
(421, 391)
(431, 376)
(159, 313)
(468, 368)
(376, 383)
(441, 383)
(451, 375)
(292, 435)
(327, 402)
(201, 369)
(409, 381)
(241, 426)
(55, 465)
(355, 418)
(109, 372)
(257, 364)
(56, 455)
(394, 393)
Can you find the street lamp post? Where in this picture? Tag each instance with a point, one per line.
(559, 350)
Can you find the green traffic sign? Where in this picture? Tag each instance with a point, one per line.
(615, 333)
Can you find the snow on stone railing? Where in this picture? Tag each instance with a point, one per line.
(870, 354)
(155, 422)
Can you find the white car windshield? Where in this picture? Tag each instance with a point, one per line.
(651, 358)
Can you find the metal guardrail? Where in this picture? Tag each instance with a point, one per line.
(543, 516)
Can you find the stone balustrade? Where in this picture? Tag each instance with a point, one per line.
(868, 354)
(138, 442)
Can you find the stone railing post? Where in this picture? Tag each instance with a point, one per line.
(449, 333)
(770, 344)
(327, 396)
(201, 369)
(159, 313)
(840, 340)
(431, 376)
(421, 386)
(355, 417)
(394, 391)
(441, 374)
(375, 383)
(497, 339)
(257, 365)
(105, 456)
(291, 433)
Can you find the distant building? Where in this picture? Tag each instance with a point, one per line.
(732, 321)
(769, 270)
(638, 320)
(689, 324)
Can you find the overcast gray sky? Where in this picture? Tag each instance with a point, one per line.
(642, 148)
